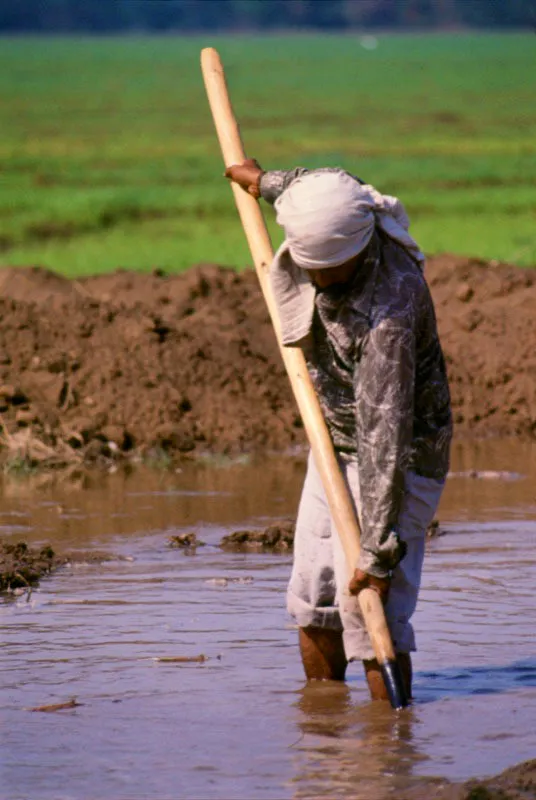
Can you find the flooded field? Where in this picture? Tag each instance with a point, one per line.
(241, 723)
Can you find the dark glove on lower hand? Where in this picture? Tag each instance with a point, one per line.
(362, 580)
(248, 175)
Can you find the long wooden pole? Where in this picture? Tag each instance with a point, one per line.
(337, 494)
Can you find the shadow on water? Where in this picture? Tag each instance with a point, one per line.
(431, 686)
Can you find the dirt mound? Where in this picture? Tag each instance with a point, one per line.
(187, 364)
(487, 321)
(21, 566)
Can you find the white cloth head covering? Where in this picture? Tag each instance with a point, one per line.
(328, 218)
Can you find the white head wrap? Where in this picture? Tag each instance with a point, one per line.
(328, 218)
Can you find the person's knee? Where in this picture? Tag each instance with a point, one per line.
(322, 653)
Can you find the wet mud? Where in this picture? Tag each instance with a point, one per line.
(516, 783)
(185, 541)
(186, 366)
(278, 538)
(21, 566)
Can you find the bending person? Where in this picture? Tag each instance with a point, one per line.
(349, 288)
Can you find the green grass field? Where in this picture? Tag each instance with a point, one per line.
(109, 157)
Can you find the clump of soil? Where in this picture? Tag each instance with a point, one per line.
(277, 538)
(185, 365)
(185, 541)
(21, 567)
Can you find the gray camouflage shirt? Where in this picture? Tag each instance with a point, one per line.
(376, 363)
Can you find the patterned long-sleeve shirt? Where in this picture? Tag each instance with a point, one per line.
(376, 363)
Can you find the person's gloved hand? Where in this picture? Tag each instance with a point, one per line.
(248, 175)
(362, 580)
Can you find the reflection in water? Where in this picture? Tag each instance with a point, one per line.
(324, 708)
(488, 498)
(351, 749)
(143, 501)
(241, 724)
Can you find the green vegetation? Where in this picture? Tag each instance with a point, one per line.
(109, 156)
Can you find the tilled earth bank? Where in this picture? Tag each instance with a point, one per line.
(515, 783)
(187, 364)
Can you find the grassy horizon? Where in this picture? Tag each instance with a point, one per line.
(109, 156)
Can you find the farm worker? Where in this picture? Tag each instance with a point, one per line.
(349, 288)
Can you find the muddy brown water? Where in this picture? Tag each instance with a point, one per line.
(242, 724)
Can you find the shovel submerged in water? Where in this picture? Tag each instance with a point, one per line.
(315, 427)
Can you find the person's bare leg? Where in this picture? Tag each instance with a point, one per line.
(322, 653)
(373, 674)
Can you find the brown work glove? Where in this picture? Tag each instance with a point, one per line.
(248, 175)
(362, 580)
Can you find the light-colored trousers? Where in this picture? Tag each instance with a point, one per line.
(317, 593)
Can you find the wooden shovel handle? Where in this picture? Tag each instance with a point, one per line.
(261, 250)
